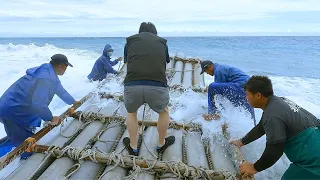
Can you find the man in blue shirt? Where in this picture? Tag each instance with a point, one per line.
(228, 82)
(103, 65)
(25, 103)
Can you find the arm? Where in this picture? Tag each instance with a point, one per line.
(276, 135)
(270, 156)
(64, 95)
(39, 98)
(108, 68)
(254, 134)
(115, 62)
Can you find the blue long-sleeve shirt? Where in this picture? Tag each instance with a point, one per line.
(26, 101)
(225, 74)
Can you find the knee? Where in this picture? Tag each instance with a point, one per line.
(213, 89)
(213, 86)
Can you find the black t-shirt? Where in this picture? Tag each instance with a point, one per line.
(283, 119)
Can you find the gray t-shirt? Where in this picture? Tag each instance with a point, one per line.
(283, 119)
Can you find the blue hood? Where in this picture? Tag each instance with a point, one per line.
(106, 49)
(45, 71)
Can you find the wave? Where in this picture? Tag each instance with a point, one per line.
(15, 59)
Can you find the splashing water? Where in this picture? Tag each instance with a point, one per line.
(187, 107)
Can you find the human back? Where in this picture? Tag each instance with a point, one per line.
(16, 102)
(295, 118)
(146, 57)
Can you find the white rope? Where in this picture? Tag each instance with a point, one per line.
(106, 141)
(80, 117)
(117, 159)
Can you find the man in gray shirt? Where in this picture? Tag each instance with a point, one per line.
(289, 129)
(146, 55)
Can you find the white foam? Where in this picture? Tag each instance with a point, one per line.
(15, 59)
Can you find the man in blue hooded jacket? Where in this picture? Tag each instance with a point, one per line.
(228, 82)
(25, 103)
(103, 65)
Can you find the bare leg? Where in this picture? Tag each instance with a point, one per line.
(132, 126)
(163, 125)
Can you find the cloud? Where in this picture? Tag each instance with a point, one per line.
(168, 15)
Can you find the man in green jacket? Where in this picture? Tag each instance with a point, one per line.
(289, 129)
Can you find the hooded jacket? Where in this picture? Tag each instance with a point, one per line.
(103, 66)
(26, 101)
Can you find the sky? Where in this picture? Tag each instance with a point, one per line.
(60, 18)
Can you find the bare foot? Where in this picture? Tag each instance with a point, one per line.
(209, 117)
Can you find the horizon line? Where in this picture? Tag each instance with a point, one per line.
(170, 36)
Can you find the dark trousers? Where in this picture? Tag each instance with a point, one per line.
(16, 134)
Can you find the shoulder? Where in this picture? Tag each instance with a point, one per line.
(220, 67)
(132, 37)
(162, 39)
(276, 108)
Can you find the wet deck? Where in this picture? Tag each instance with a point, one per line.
(90, 142)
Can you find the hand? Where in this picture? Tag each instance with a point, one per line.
(237, 143)
(120, 59)
(55, 120)
(247, 169)
(209, 117)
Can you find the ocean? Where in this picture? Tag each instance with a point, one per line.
(292, 63)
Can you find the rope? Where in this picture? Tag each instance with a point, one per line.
(173, 166)
(173, 69)
(80, 117)
(88, 152)
(117, 159)
(106, 141)
(109, 127)
(31, 144)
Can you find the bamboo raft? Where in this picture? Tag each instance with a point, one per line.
(88, 145)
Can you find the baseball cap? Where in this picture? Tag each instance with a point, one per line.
(60, 59)
(204, 65)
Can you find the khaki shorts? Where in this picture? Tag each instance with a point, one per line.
(156, 97)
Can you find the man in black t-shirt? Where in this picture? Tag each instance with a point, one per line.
(289, 129)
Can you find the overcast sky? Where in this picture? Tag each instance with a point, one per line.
(172, 17)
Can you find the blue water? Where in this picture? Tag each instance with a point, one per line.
(292, 63)
(284, 56)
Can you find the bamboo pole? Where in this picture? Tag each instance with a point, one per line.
(102, 118)
(130, 161)
(4, 161)
(190, 60)
(239, 156)
(174, 87)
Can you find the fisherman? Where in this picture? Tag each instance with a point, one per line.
(25, 103)
(146, 55)
(228, 82)
(289, 129)
(103, 65)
